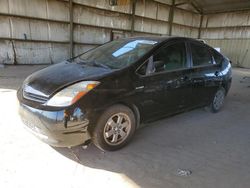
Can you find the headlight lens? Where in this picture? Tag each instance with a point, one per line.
(72, 93)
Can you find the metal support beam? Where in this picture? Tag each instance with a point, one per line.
(183, 3)
(71, 29)
(133, 17)
(200, 28)
(195, 6)
(171, 17)
(227, 11)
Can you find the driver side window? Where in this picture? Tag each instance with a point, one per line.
(170, 57)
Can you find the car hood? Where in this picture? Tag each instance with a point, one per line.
(51, 79)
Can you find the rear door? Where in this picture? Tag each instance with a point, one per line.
(166, 83)
(205, 74)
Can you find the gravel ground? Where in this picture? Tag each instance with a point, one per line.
(193, 149)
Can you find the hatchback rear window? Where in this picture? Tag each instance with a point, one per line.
(218, 58)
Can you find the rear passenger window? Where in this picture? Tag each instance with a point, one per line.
(200, 55)
(218, 58)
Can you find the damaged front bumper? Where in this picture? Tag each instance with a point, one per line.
(54, 127)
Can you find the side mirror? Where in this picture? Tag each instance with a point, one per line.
(159, 65)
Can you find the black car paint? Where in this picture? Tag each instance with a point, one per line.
(149, 96)
(63, 74)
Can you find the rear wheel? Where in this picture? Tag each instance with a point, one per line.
(115, 128)
(218, 100)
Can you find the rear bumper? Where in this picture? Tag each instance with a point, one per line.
(51, 128)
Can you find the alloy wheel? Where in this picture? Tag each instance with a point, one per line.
(117, 129)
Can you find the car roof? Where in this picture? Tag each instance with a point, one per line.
(161, 39)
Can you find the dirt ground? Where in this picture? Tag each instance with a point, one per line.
(214, 147)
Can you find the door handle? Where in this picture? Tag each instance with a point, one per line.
(184, 78)
(198, 81)
(139, 87)
(216, 73)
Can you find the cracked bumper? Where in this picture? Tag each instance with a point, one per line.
(49, 126)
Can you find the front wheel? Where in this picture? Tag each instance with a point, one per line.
(115, 128)
(218, 100)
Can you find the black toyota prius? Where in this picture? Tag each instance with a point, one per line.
(105, 94)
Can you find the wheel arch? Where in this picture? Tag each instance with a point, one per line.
(226, 84)
(135, 110)
(97, 113)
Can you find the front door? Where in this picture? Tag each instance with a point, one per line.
(166, 83)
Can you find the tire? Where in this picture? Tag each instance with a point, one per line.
(218, 100)
(115, 128)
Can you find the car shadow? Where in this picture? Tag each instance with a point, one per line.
(134, 160)
(153, 156)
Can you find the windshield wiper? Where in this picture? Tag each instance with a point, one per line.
(82, 62)
(100, 65)
(93, 63)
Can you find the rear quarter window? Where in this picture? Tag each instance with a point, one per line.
(218, 58)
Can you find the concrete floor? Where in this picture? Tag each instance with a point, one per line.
(215, 147)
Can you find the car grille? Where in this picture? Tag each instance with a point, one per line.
(35, 97)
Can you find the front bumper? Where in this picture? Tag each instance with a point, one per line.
(51, 128)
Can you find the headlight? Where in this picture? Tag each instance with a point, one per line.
(72, 93)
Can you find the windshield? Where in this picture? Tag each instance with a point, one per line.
(117, 54)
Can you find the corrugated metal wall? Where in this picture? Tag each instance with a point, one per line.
(236, 49)
(33, 31)
(230, 32)
(38, 31)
